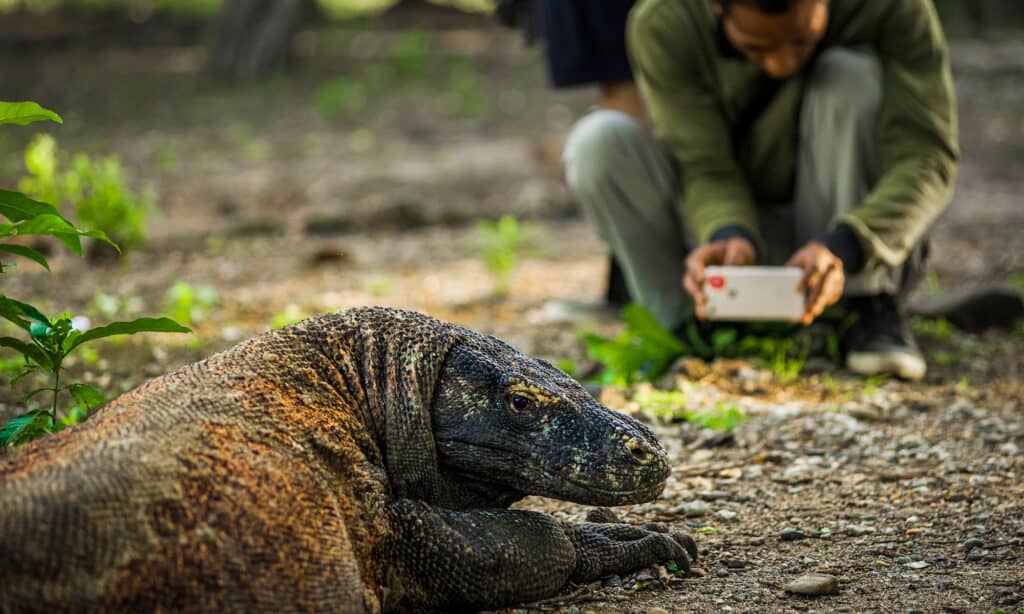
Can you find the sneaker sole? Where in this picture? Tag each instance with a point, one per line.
(901, 364)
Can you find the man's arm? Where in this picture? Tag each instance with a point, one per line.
(917, 135)
(689, 120)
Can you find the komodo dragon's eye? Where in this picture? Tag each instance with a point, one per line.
(519, 402)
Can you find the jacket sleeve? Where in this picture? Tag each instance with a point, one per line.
(691, 123)
(917, 135)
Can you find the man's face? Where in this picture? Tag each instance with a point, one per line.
(780, 44)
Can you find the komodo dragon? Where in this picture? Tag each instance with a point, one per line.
(355, 462)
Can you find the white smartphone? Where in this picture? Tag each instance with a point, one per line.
(754, 293)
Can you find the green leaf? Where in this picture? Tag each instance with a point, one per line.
(25, 252)
(24, 113)
(11, 306)
(25, 427)
(141, 325)
(26, 349)
(86, 396)
(643, 324)
(17, 207)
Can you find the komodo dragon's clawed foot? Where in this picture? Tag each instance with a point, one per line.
(604, 548)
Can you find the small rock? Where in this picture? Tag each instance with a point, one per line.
(736, 564)
(789, 535)
(611, 581)
(813, 584)
(973, 543)
(904, 560)
(693, 509)
(657, 610)
(721, 572)
(918, 564)
(726, 515)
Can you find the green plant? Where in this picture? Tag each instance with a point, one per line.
(103, 200)
(289, 316)
(410, 53)
(470, 98)
(96, 189)
(669, 406)
(501, 244)
(50, 340)
(938, 329)
(643, 351)
(721, 417)
(339, 96)
(189, 304)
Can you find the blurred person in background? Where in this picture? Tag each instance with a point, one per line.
(815, 133)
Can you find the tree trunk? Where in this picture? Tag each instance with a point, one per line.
(254, 37)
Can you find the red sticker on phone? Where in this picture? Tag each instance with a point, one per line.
(716, 281)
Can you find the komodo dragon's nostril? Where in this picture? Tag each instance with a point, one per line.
(641, 452)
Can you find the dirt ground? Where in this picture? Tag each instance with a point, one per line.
(910, 494)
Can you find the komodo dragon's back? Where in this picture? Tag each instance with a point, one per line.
(343, 463)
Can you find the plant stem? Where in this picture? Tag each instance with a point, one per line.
(56, 393)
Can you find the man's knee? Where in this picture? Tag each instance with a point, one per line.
(600, 144)
(846, 83)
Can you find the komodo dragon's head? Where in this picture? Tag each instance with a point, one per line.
(518, 426)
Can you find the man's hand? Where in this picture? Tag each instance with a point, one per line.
(823, 278)
(735, 251)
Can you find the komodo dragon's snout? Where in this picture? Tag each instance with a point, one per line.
(511, 421)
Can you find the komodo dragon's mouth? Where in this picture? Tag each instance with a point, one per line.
(528, 474)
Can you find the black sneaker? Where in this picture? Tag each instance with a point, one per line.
(880, 342)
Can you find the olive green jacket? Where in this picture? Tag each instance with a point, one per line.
(695, 93)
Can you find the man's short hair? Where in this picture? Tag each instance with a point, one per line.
(765, 6)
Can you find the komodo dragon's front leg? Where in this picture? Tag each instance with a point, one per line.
(481, 559)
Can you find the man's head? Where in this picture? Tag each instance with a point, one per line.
(779, 36)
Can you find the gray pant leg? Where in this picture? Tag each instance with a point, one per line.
(628, 187)
(838, 161)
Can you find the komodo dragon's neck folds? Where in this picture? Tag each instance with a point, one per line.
(356, 462)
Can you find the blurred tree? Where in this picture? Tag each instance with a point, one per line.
(255, 36)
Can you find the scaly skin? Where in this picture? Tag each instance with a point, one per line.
(355, 462)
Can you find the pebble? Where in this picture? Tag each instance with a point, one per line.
(657, 611)
(789, 535)
(693, 509)
(611, 581)
(721, 572)
(736, 564)
(813, 584)
(904, 560)
(918, 564)
(973, 543)
(726, 515)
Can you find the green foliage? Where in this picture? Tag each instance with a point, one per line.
(641, 352)
(721, 417)
(646, 349)
(340, 96)
(470, 97)
(103, 200)
(50, 342)
(938, 329)
(289, 316)
(24, 113)
(96, 189)
(670, 406)
(189, 304)
(410, 69)
(501, 244)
